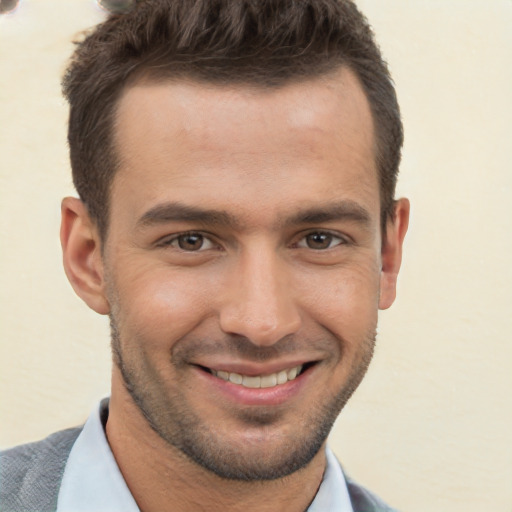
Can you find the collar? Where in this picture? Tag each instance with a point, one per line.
(92, 479)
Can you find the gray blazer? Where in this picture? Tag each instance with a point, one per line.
(31, 474)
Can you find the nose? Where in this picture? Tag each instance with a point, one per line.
(258, 301)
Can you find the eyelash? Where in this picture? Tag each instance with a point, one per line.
(334, 236)
(168, 242)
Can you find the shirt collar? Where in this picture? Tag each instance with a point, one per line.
(92, 479)
(332, 495)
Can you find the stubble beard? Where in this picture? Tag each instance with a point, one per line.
(169, 415)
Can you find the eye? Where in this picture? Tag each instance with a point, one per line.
(189, 242)
(320, 240)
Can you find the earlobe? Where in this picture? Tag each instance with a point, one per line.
(391, 256)
(82, 254)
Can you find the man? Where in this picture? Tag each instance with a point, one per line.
(236, 164)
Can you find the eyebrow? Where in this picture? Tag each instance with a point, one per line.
(342, 210)
(176, 212)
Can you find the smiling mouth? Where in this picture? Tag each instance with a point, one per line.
(260, 381)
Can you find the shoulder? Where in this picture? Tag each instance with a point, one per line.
(364, 500)
(30, 474)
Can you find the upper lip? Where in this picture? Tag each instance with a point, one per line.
(253, 369)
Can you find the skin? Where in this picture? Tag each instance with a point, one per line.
(289, 267)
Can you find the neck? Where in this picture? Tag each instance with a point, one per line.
(162, 479)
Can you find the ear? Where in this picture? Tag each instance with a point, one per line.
(391, 255)
(81, 248)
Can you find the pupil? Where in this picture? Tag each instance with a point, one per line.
(190, 242)
(319, 240)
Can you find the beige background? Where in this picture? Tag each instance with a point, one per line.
(430, 429)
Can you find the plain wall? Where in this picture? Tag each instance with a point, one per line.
(430, 428)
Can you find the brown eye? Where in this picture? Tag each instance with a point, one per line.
(190, 242)
(320, 240)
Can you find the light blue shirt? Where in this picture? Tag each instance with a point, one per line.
(92, 481)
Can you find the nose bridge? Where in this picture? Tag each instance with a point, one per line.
(259, 303)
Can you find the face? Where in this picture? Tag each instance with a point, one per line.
(243, 266)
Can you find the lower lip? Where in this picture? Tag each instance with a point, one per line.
(275, 395)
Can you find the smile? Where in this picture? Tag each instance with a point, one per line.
(259, 381)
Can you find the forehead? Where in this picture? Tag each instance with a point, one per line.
(237, 144)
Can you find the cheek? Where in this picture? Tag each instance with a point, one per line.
(161, 306)
(345, 301)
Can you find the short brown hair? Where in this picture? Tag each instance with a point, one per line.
(259, 42)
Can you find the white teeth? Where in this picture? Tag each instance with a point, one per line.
(268, 381)
(259, 381)
(292, 373)
(282, 377)
(251, 382)
(223, 375)
(235, 378)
